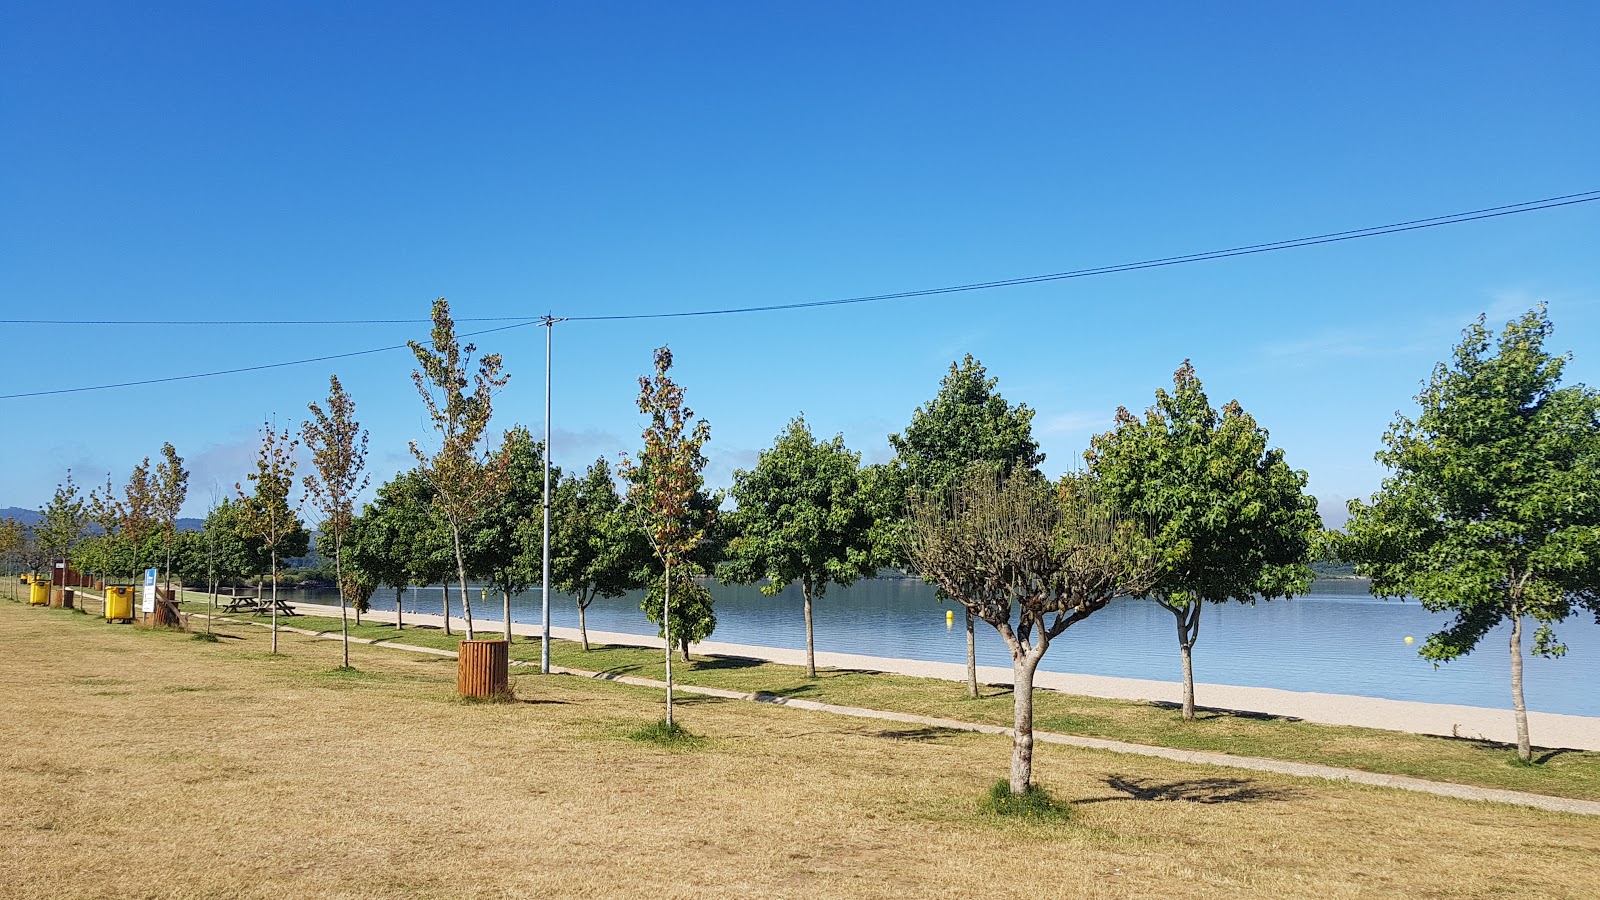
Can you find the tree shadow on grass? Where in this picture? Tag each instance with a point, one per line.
(1197, 790)
(775, 694)
(926, 733)
(718, 661)
(1203, 713)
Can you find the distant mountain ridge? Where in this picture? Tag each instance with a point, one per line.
(30, 517)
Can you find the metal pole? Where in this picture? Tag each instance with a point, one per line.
(544, 647)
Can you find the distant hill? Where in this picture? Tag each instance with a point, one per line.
(30, 517)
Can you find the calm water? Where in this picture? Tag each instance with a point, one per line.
(1336, 640)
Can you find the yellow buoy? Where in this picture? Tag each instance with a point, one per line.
(949, 616)
(1410, 639)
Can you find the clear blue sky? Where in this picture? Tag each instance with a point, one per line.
(348, 160)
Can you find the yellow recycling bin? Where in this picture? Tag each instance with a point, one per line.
(119, 604)
(39, 592)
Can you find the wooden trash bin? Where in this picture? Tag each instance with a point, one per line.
(63, 599)
(483, 670)
(166, 614)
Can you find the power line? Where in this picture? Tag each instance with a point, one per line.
(1308, 241)
(276, 365)
(1312, 240)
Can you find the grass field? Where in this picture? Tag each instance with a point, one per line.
(143, 763)
(1559, 773)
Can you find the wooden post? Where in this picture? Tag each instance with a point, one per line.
(482, 670)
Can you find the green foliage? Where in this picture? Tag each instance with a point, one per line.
(1490, 510)
(62, 521)
(11, 535)
(665, 482)
(967, 421)
(266, 514)
(339, 457)
(597, 548)
(170, 488)
(693, 619)
(205, 637)
(802, 517)
(397, 539)
(505, 537)
(1232, 520)
(1034, 804)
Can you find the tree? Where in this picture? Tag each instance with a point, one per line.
(463, 474)
(62, 521)
(505, 541)
(387, 540)
(1490, 511)
(137, 515)
(966, 422)
(665, 482)
(1032, 560)
(170, 487)
(1232, 520)
(693, 615)
(266, 514)
(339, 455)
(597, 549)
(11, 534)
(803, 516)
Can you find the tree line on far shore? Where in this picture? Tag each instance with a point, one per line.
(1490, 511)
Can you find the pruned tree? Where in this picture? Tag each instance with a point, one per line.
(266, 513)
(1030, 559)
(665, 482)
(803, 517)
(62, 521)
(170, 487)
(1490, 511)
(1232, 521)
(966, 422)
(462, 471)
(338, 448)
(505, 545)
(597, 549)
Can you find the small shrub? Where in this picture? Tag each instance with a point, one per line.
(205, 637)
(661, 734)
(1033, 805)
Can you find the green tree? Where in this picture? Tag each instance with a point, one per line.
(266, 514)
(1490, 510)
(137, 514)
(966, 422)
(597, 549)
(505, 543)
(384, 541)
(803, 516)
(463, 473)
(1032, 560)
(339, 456)
(1232, 521)
(170, 485)
(62, 521)
(693, 616)
(665, 483)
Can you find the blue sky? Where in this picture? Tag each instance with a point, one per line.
(313, 161)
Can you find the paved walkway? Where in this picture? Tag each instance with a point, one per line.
(1194, 757)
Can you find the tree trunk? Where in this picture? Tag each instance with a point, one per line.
(461, 572)
(811, 649)
(446, 585)
(274, 599)
(666, 631)
(1524, 746)
(344, 609)
(583, 627)
(399, 608)
(972, 659)
(1022, 669)
(1188, 621)
(683, 643)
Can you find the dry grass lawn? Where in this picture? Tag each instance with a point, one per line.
(145, 764)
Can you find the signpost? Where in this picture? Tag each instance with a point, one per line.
(149, 603)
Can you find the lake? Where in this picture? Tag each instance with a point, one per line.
(1338, 639)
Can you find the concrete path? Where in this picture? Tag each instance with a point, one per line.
(1449, 720)
(1192, 757)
